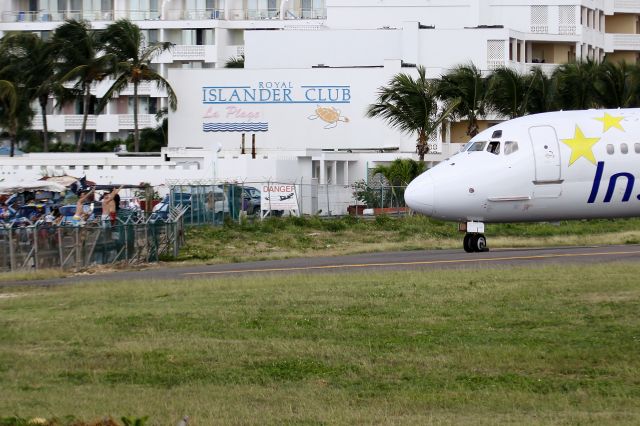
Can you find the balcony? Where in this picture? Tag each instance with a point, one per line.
(264, 14)
(167, 15)
(101, 123)
(125, 121)
(626, 42)
(525, 68)
(626, 6)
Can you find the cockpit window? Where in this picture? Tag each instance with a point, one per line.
(477, 146)
(510, 147)
(494, 147)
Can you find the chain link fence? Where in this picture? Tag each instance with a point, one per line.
(45, 245)
(209, 202)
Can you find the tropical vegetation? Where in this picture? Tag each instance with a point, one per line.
(124, 43)
(466, 93)
(411, 105)
(65, 68)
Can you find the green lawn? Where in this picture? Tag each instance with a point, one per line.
(311, 236)
(554, 345)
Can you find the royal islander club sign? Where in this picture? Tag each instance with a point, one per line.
(286, 110)
(233, 118)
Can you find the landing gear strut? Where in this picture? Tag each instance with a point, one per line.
(474, 239)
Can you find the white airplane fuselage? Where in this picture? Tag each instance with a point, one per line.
(542, 167)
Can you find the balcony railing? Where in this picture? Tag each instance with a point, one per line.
(74, 122)
(525, 68)
(125, 121)
(71, 122)
(626, 6)
(112, 15)
(623, 41)
(263, 14)
(170, 15)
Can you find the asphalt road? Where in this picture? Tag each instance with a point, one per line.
(386, 261)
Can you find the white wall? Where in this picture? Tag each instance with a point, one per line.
(295, 125)
(381, 13)
(304, 49)
(444, 49)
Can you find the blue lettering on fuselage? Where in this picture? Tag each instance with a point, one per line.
(613, 180)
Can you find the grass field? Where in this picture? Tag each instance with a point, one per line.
(310, 236)
(521, 346)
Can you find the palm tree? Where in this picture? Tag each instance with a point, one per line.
(411, 106)
(236, 62)
(508, 92)
(617, 85)
(32, 58)
(465, 87)
(8, 109)
(541, 92)
(575, 85)
(399, 173)
(79, 58)
(124, 41)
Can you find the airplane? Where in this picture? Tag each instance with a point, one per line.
(542, 167)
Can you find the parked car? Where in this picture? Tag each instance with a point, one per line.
(251, 200)
(199, 205)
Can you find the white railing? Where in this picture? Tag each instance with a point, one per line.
(625, 41)
(548, 69)
(185, 52)
(168, 14)
(112, 15)
(125, 121)
(628, 6)
(539, 29)
(74, 122)
(567, 29)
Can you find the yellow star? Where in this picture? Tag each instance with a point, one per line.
(610, 121)
(581, 146)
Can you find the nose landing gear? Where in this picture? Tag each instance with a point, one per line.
(474, 239)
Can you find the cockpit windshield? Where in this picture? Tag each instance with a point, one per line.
(476, 146)
(494, 147)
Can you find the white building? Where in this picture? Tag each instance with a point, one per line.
(300, 44)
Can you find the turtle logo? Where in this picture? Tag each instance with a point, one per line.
(329, 115)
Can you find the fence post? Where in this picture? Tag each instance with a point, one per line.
(301, 198)
(35, 247)
(269, 188)
(77, 248)
(175, 239)
(328, 202)
(12, 250)
(126, 243)
(60, 251)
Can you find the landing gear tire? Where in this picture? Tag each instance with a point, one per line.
(475, 243)
(466, 243)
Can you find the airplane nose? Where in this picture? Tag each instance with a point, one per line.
(419, 194)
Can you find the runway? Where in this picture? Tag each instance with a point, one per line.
(369, 262)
